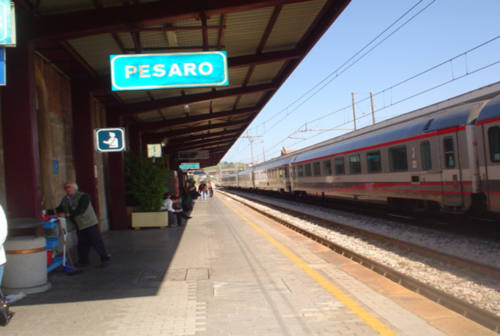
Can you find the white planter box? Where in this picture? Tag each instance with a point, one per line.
(149, 219)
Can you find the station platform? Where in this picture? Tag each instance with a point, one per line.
(228, 271)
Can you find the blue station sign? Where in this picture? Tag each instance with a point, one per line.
(110, 139)
(7, 24)
(189, 165)
(166, 71)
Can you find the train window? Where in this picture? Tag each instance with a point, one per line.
(354, 164)
(308, 169)
(494, 137)
(374, 162)
(339, 166)
(398, 159)
(317, 169)
(300, 169)
(425, 153)
(449, 152)
(327, 167)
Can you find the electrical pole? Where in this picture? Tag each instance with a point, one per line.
(373, 108)
(251, 139)
(353, 110)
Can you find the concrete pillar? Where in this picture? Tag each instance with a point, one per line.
(116, 186)
(20, 131)
(83, 141)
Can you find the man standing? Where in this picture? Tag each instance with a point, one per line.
(76, 206)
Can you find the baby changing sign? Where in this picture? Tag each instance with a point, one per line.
(172, 70)
(110, 139)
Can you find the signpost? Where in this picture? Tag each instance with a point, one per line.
(7, 24)
(110, 139)
(172, 70)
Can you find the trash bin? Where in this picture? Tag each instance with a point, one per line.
(26, 267)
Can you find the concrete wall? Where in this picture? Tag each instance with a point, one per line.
(55, 132)
(55, 139)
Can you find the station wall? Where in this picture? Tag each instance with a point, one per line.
(55, 123)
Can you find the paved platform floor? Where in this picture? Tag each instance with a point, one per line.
(229, 271)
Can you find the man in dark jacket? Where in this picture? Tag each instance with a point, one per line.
(76, 207)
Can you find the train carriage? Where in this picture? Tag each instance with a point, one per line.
(445, 156)
(488, 153)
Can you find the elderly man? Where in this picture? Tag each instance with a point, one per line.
(76, 206)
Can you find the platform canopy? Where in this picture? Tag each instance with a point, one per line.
(264, 39)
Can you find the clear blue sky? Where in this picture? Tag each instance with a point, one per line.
(445, 29)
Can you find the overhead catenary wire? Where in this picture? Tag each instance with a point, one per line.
(453, 79)
(340, 69)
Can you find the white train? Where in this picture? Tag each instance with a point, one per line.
(445, 156)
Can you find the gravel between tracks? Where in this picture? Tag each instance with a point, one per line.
(477, 289)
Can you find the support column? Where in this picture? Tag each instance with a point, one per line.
(116, 178)
(20, 131)
(83, 141)
(135, 139)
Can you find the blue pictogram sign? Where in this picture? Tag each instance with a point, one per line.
(7, 24)
(3, 75)
(110, 139)
(165, 71)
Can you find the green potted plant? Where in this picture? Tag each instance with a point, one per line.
(146, 183)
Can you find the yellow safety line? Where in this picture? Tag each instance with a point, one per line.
(375, 324)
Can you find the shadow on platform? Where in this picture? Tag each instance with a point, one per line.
(139, 262)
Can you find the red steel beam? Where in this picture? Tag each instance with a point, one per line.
(203, 128)
(202, 143)
(156, 138)
(151, 126)
(143, 107)
(206, 136)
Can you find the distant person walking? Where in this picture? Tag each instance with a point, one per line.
(76, 206)
(202, 189)
(210, 189)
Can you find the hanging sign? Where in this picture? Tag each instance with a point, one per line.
(172, 70)
(193, 155)
(189, 165)
(3, 74)
(110, 139)
(7, 24)
(154, 150)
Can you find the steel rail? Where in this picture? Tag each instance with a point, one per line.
(481, 316)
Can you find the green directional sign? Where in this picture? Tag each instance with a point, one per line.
(173, 70)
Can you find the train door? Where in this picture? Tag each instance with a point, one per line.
(491, 136)
(287, 184)
(451, 176)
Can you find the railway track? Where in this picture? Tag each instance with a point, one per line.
(466, 309)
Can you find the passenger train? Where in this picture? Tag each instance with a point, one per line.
(443, 157)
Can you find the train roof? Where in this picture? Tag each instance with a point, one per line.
(277, 162)
(491, 110)
(406, 126)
